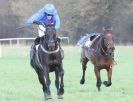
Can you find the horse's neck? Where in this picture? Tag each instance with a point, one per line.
(98, 47)
(102, 49)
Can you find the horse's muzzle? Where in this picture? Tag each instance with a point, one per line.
(112, 48)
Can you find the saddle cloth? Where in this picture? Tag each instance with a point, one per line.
(88, 39)
(89, 42)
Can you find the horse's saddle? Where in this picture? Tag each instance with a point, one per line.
(90, 40)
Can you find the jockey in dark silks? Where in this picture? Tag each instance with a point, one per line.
(48, 15)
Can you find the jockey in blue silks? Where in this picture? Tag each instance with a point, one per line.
(44, 14)
(48, 15)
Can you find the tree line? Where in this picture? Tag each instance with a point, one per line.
(78, 17)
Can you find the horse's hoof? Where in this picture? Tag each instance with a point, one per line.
(61, 91)
(82, 82)
(107, 84)
(60, 96)
(98, 89)
(47, 97)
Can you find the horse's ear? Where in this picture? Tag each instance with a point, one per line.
(110, 28)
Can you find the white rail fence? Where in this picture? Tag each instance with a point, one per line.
(20, 39)
(10, 41)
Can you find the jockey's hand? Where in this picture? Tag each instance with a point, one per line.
(37, 22)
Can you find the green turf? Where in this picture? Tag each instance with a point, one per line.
(19, 82)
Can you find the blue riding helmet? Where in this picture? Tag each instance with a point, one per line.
(50, 9)
(40, 15)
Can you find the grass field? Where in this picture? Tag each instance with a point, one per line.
(19, 82)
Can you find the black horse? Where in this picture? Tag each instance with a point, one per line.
(45, 58)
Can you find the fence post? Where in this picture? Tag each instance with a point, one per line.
(17, 42)
(0, 50)
(10, 41)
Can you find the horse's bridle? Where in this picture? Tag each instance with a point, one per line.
(49, 52)
(107, 44)
(100, 41)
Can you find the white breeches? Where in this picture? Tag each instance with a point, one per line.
(41, 30)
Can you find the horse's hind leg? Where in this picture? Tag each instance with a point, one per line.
(97, 73)
(59, 82)
(84, 62)
(44, 83)
(108, 83)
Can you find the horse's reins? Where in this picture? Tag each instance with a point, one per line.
(49, 52)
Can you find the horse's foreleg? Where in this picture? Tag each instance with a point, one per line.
(98, 76)
(59, 82)
(42, 80)
(47, 83)
(108, 83)
(57, 79)
(84, 62)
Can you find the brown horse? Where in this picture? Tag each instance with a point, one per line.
(101, 54)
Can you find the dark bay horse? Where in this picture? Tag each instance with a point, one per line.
(47, 58)
(101, 54)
